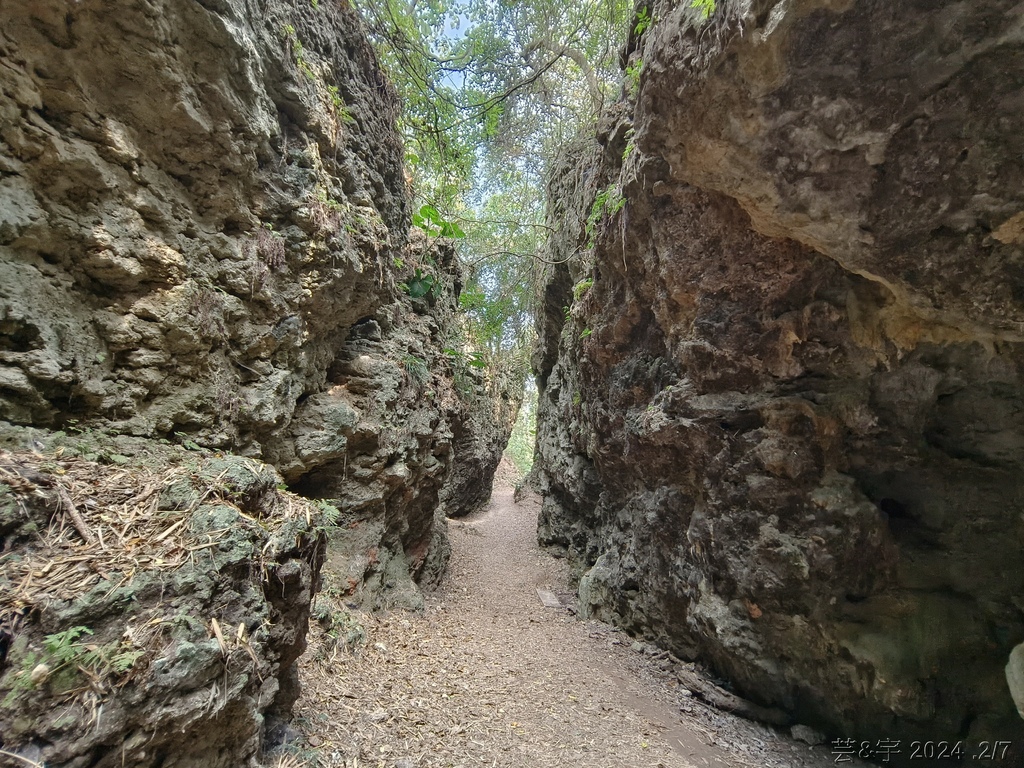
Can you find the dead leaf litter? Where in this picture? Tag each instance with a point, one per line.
(488, 676)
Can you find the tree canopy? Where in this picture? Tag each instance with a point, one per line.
(491, 88)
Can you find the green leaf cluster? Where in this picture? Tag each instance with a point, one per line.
(581, 288)
(643, 21)
(420, 285)
(70, 651)
(706, 7)
(608, 201)
(416, 368)
(429, 219)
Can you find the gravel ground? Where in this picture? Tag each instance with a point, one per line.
(488, 676)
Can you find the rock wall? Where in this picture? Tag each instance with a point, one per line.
(155, 601)
(780, 417)
(204, 240)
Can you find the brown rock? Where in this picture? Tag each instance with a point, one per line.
(802, 381)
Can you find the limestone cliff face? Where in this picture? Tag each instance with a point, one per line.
(204, 240)
(204, 237)
(782, 429)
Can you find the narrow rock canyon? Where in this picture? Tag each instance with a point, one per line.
(779, 358)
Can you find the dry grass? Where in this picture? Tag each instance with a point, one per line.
(106, 524)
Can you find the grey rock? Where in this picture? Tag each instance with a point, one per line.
(807, 735)
(202, 252)
(1015, 677)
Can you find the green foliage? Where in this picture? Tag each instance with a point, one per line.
(706, 7)
(633, 71)
(187, 442)
(69, 651)
(586, 333)
(419, 285)
(342, 630)
(429, 219)
(298, 51)
(329, 514)
(522, 441)
(416, 368)
(630, 145)
(581, 288)
(490, 91)
(643, 20)
(340, 109)
(608, 201)
(510, 79)
(472, 359)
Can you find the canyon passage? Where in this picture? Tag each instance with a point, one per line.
(735, 288)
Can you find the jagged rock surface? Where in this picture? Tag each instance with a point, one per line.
(195, 584)
(204, 236)
(781, 431)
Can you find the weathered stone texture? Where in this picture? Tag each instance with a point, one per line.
(204, 232)
(782, 430)
(203, 235)
(238, 551)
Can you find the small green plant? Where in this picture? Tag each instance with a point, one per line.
(706, 7)
(633, 77)
(187, 442)
(419, 285)
(329, 514)
(316, 4)
(577, 398)
(341, 110)
(342, 630)
(474, 359)
(68, 651)
(416, 368)
(326, 213)
(643, 21)
(430, 220)
(298, 51)
(586, 333)
(581, 288)
(399, 262)
(608, 201)
(630, 145)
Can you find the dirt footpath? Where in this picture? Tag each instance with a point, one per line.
(491, 677)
